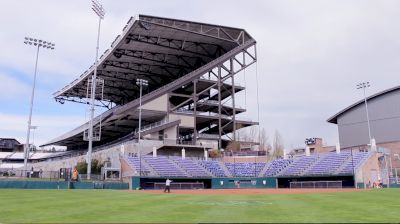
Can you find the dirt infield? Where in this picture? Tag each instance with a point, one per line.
(252, 191)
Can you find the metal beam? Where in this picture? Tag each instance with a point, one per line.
(163, 59)
(176, 44)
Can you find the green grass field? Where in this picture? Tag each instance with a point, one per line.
(96, 206)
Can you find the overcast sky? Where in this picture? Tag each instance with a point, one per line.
(311, 55)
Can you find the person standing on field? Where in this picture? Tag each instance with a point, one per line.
(167, 185)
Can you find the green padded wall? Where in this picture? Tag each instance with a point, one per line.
(255, 182)
(37, 184)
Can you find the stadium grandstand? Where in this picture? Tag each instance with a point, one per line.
(189, 100)
(188, 108)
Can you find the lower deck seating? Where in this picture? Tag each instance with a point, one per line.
(300, 165)
(192, 167)
(275, 167)
(314, 165)
(245, 169)
(214, 167)
(328, 164)
(164, 166)
(357, 158)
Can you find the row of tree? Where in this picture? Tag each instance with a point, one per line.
(259, 135)
(81, 166)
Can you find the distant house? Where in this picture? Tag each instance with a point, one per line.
(316, 146)
(10, 145)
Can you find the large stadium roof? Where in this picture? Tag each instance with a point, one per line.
(158, 49)
(170, 54)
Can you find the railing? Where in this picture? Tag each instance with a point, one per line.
(207, 136)
(245, 153)
(215, 103)
(29, 174)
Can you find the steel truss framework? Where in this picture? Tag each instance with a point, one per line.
(224, 72)
(206, 61)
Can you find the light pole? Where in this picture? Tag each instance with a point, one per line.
(99, 10)
(140, 83)
(364, 85)
(33, 134)
(38, 44)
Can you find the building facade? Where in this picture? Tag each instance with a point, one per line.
(384, 118)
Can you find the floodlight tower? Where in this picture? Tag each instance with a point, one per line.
(140, 83)
(364, 85)
(100, 12)
(38, 44)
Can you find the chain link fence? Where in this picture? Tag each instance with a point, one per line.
(316, 184)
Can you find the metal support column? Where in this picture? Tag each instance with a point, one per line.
(219, 108)
(195, 112)
(233, 100)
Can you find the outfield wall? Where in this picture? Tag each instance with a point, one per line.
(37, 184)
(244, 182)
(347, 180)
(209, 183)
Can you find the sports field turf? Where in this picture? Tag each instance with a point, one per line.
(86, 206)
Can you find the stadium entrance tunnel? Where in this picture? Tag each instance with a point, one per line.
(316, 182)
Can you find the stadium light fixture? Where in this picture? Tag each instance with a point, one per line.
(364, 85)
(99, 10)
(140, 83)
(38, 43)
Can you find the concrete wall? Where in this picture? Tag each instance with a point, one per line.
(394, 148)
(369, 171)
(384, 112)
(208, 143)
(113, 154)
(186, 121)
(170, 134)
(159, 104)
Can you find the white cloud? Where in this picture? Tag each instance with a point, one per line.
(11, 88)
(49, 126)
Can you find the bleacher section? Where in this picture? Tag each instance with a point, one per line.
(192, 167)
(328, 164)
(214, 167)
(300, 165)
(275, 167)
(134, 162)
(314, 165)
(354, 163)
(245, 169)
(164, 166)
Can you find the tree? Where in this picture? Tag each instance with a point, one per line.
(215, 153)
(81, 166)
(233, 146)
(264, 142)
(277, 146)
